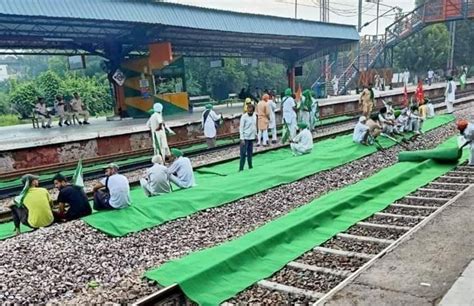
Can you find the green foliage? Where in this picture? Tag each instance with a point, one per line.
(223, 80)
(428, 48)
(6, 120)
(4, 103)
(23, 97)
(463, 46)
(57, 65)
(48, 84)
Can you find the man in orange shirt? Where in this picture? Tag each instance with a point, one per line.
(263, 119)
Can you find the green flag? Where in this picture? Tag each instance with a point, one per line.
(156, 145)
(19, 199)
(286, 132)
(77, 179)
(462, 80)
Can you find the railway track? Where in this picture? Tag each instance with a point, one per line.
(320, 273)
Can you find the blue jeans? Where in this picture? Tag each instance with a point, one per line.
(246, 150)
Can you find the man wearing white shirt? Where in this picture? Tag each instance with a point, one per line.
(430, 76)
(450, 95)
(208, 121)
(181, 170)
(248, 132)
(156, 180)
(303, 142)
(289, 112)
(113, 191)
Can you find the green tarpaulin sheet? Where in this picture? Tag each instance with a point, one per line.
(222, 183)
(447, 155)
(214, 275)
(270, 169)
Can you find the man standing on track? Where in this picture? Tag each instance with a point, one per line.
(288, 106)
(450, 94)
(248, 132)
(467, 131)
(272, 124)
(263, 118)
(156, 124)
(367, 101)
(209, 123)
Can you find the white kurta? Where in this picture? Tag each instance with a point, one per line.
(450, 96)
(469, 136)
(156, 181)
(289, 115)
(181, 172)
(359, 132)
(303, 142)
(273, 107)
(209, 126)
(153, 124)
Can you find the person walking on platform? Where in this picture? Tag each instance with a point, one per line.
(263, 119)
(78, 108)
(156, 124)
(42, 113)
(406, 77)
(248, 132)
(113, 191)
(210, 121)
(59, 106)
(303, 142)
(367, 101)
(72, 196)
(450, 94)
(430, 76)
(181, 170)
(467, 131)
(33, 206)
(288, 106)
(361, 131)
(156, 180)
(272, 123)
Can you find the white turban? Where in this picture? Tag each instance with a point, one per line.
(362, 119)
(158, 107)
(157, 159)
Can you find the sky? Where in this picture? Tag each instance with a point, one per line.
(342, 11)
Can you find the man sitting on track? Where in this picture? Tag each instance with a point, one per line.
(361, 131)
(303, 142)
(32, 208)
(181, 171)
(113, 191)
(467, 131)
(72, 196)
(156, 180)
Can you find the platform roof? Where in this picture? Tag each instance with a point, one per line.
(89, 26)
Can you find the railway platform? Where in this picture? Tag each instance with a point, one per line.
(434, 265)
(24, 148)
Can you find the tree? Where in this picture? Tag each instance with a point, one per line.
(23, 98)
(224, 80)
(48, 84)
(428, 48)
(58, 65)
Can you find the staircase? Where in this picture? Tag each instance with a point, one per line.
(372, 47)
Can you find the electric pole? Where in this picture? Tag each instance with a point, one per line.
(452, 32)
(296, 9)
(377, 24)
(324, 11)
(359, 26)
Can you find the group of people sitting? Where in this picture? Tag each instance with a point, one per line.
(35, 208)
(66, 111)
(390, 122)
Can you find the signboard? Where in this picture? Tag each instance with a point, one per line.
(76, 62)
(119, 77)
(217, 63)
(145, 88)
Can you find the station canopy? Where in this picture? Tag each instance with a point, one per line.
(92, 26)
